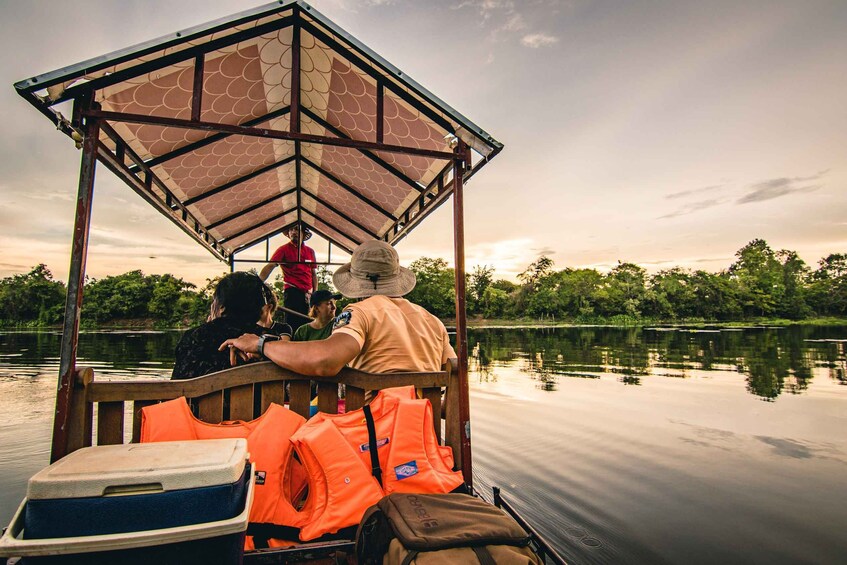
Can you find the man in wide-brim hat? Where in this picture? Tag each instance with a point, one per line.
(383, 333)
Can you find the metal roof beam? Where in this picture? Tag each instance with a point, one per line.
(212, 139)
(236, 182)
(263, 132)
(253, 227)
(341, 215)
(369, 70)
(348, 188)
(252, 208)
(168, 60)
(376, 159)
(323, 234)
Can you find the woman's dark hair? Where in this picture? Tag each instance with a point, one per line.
(241, 297)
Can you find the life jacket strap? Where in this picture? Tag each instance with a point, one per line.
(376, 470)
(262, 532)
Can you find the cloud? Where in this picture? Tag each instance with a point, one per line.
(783, 186)
(546, 250)
(693, 191)
(514, 23)
(536, 40)
(692, 207)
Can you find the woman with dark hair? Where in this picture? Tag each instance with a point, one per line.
(242, 303)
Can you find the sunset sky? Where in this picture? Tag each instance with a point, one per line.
(661, 133)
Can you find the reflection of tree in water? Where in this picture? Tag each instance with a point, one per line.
(480, 364)
(773, 360)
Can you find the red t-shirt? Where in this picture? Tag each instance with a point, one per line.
(298, 275)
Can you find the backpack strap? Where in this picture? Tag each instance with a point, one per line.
(483, 555)
(409, 556)
(376, 470)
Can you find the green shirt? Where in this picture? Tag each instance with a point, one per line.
(308, 333)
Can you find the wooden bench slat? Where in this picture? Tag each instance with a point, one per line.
(210, 407)
(136, 418)
(434, 397)
(328, 397)
(452, 432)
(272, 392)
(354, 398)
(110, 423)
(241, 403)
(300, 396)
(80, 411)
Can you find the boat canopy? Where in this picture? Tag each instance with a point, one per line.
(239, 128)
(242, 127)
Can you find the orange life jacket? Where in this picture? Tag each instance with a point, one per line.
(277, 473)
(336, 451)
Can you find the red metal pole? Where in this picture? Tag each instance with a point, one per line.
(459, 164)
(76, 278)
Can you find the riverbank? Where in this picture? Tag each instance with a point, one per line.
(618, 321)
(478, 323)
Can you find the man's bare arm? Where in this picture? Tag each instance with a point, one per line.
(266, 271)
(317, 358)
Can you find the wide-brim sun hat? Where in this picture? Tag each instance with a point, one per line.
(374, 269)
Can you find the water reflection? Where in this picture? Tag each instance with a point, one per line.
(772, 361)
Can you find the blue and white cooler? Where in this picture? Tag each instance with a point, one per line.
(161, 503)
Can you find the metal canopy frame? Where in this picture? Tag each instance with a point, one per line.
(101, 124)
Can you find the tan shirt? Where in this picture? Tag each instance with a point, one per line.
(395, 336)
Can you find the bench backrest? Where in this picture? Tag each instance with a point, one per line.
(109, 412)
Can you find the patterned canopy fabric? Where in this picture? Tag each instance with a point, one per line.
(168, 108)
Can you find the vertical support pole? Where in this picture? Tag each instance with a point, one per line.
(232, 263)
(76, 279)
(380, 111)
(268, 249)
(295, 115)
(295, 76)
(329, 251)
(197, 94)
(460, 161)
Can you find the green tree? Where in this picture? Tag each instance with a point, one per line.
(33, 297)
(172, 300)
(716, 296)
(495, 302)
(759, 276)
(827, 289)
(435, 288)
(577, 291)
(624, 290)
(795, 272)
(479, 281)
(671, 295)
(536, 271)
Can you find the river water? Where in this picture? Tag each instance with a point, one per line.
(647, 445)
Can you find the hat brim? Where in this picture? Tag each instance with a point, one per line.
(396, 285)
(306, 233)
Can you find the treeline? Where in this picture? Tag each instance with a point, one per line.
(37, 299)
(760, 283)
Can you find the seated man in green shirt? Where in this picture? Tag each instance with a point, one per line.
(322, 309)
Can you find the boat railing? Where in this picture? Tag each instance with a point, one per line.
(104, 412)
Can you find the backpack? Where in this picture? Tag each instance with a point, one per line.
(405, 528)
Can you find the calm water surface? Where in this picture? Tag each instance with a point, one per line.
(623, 445)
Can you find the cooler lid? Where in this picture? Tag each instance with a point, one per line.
(141, 468)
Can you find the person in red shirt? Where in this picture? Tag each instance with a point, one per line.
(297, 261)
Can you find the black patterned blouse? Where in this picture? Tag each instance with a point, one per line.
(197, 352)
